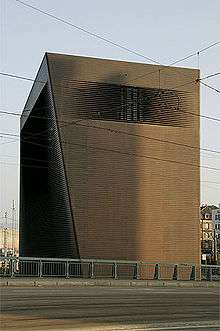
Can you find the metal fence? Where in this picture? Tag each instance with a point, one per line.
(44, 267)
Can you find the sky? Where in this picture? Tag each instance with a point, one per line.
(162, 30)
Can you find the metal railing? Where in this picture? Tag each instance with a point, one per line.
(51, 267)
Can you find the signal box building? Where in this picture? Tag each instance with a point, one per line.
(110, 162)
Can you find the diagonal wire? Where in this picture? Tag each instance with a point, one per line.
(87, 32)
(189, 82)
(66, 123)
(209, 86)
(209, 76)
(120, 152)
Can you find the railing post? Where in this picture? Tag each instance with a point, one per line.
(5, 267)
(157, 271)
(136, 271)
(92, 270)
(175, 272)
(63, 267)
(114, 271)
(12, 267)
(193, 273)
(209, 273)
(67, 269)
(40, 268)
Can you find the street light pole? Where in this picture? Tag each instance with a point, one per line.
(13, 228)
(5, 244)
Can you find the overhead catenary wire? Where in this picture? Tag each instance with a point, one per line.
(210, 87)
(45, 161)
(156, 175)
(190, 82)
(79, 123)
(98, 127)
(11, 75)
(198, 80)
(187, 112)
(191, 113)
(122, 153)
(9, 142)
(99, 149)
(209, 46)
(113, 151)
(188, 57)
(19, 77)
(138, 155)
(116, 44)
(55, 168)
(18, 140)
(36, 166)
(74, 123)
(148, 138)
(210, 76)
(159, 69)
(86, 31)
(164, 67)
(193, 55)
(111, 42)
(9, 134)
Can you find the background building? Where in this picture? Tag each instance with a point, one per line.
(9, 242)
(208, 234)
(216, 223)
(109, 161)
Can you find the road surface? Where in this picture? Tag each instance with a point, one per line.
(102, 308)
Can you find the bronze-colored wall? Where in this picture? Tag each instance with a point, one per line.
(127, 202)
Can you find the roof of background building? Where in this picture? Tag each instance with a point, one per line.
(207, 210)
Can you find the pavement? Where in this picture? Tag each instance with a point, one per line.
(56, 281)
(106, 308)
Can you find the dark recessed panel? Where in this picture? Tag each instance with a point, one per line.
(101, 101)
(46, 224)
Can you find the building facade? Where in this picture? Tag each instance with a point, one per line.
(216, 223)
(109, 161)
(207, 236)
(208, 233)
(9, 241)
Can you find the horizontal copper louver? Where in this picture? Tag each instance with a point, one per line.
(100, 182)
